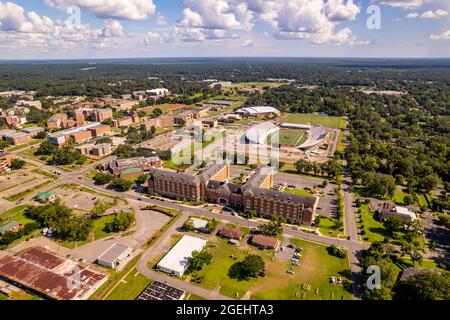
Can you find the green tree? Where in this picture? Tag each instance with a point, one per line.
(121, 222)
(17, 164)
(101, 178)
(425, 285)
(141, 179)
(188, 225)
(120, 185)
(271, 229)
(46, 148)
(250, 267)
(198, 260)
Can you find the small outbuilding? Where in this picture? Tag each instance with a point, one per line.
(115, 255)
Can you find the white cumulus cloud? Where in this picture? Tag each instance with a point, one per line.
(114, 9)
(443, 36)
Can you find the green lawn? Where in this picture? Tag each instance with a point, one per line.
(290, 137)
(130, 287)
(326, 227)
(374, 229)
(314, 119)
(316, 267)
(216, 274)
(341, 146)
(15, 214)
(15, 148)
(299, 192)
(99, 225)
(22, 295)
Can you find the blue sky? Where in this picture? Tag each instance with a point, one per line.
(42, 29)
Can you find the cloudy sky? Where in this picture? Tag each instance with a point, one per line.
(41, 29)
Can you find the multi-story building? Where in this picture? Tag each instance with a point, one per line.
(255, 194)
(69, 123)
(17, 138)
(33, 131)
(126, 121)
(124, 105)
(57, 120)
(146, 164)
(163, 122)
(100, 131)
(81, 136)
(101, 115)
(99, 150)
(5, 161)
(79, 119)
(62, 137)
(190, 115)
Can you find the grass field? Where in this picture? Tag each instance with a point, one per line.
(19, 147)
(15, 214)
(316, 267)
(290, 137)
(99, 225)
(216, 274)
(114, 278)
(314, 119)
(299, 192)
(130, 287)
(374, 229)
(326, 227)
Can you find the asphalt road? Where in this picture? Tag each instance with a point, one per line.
(353, 246)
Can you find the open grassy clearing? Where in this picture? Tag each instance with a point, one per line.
(315, 119)
(374, 229)
(299, 192)
(315, 269)
(327, 227)
(130, 287)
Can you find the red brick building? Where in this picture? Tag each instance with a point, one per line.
(256, 194)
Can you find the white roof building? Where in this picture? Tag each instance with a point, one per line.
(199, 224)
(255, 111)
(258, 134)
(114, 255)
(296, 126)
(404, 211)
(176, 261)
(158, 92)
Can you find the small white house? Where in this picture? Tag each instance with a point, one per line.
(115, 255)
(200, 224)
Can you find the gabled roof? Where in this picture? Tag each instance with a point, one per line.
(169, 175)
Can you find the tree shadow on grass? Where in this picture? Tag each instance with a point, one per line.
(379, 230)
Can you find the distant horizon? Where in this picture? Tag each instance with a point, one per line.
(228, 57)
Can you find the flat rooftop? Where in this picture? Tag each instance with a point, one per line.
(177, 259)
(45, 272)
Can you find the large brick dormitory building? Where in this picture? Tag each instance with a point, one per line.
(255, 194)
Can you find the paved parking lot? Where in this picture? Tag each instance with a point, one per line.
(83, 201)
(18, 181)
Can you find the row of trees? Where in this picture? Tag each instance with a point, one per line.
(331, 169)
